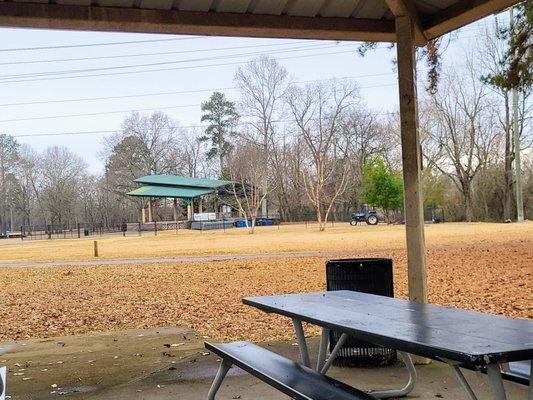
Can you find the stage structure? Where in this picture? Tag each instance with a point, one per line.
(175, 187)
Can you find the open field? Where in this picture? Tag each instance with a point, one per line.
(286, 239)
(488, 269)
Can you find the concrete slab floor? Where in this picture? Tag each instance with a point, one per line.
(164, 364)
(80, 365)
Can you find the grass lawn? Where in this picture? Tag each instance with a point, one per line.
(483, 267)
(288, 238)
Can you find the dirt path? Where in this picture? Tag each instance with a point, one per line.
(179, 259)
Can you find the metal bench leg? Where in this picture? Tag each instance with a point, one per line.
(219, 377)
(496, 382)
(302, 344)
(322, 349)
(385, 394)
(333, 353)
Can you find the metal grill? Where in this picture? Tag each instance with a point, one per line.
(368, 275)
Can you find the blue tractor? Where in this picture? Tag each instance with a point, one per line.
(371, 218)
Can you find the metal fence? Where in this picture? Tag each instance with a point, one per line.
(62, 231)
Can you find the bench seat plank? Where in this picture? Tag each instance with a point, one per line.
(287, 376)
(519, 372)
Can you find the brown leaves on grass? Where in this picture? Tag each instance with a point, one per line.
(50, 301)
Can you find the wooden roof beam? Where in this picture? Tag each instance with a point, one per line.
(53, 16)
(463, 13)
(407, 8)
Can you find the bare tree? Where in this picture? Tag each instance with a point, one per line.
(318, 111)
(192, 153)
(364, 135)
(61, 173)
(461, 137)
(26, 196)
(247, 175)
(288, 157)
(144, 145)
(263, 83)
(9, 154)
(490, 55)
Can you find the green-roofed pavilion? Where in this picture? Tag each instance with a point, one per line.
(175, 187)
(169, 192)
(181, 181)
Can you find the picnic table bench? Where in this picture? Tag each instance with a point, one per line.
(460, 338)
(295, 380)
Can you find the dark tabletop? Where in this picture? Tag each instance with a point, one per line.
(468, 337)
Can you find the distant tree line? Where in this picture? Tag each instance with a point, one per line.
(300, 151)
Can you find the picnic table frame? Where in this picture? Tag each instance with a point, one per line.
(457, 337)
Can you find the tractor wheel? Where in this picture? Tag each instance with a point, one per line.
(353, 222)
(372, 220)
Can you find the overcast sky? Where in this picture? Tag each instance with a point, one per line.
(191, 69)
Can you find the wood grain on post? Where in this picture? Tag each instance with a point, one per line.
(95, 248)
(412, 160)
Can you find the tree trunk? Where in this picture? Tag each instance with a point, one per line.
(508, 166)
(321, 224)
(469, 209)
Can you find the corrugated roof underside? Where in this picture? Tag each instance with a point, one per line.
(169, 192)
(181, 181)
(371, 9)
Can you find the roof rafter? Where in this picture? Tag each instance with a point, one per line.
(54, 16)
(463, 13)
(407, 8)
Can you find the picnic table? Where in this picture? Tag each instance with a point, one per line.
(459, 338)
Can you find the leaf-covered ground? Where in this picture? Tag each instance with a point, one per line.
(50, 301)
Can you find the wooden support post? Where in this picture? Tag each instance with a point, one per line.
(200, 205)
(175, 209)
(143, 215)
(95, 248)
(190, 209)
(412, 160)
(150, 210)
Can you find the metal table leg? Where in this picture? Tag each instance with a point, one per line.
(385, 394)
(382, 394)
(333, 353)
(322, 349)
(462, 380)
(496, 382)
(302, 344)
(221, 373)
(530, 391)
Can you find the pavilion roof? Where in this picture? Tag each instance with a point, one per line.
(369, 20)
(169, 192)
(183, 181)
(173, 186)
